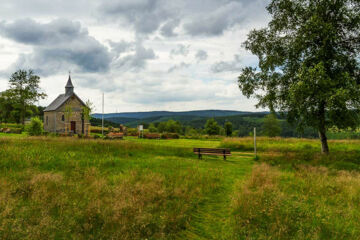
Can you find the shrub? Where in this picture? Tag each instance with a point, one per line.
(98, 130)
(113, 135)
(52, 134)
(35, 128)
(132, 132)
(16, 130)
(170, 136)
(152, 136)
(152, 128)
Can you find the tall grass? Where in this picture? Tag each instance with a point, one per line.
(265, 144)
(59, 188)
(309, 203)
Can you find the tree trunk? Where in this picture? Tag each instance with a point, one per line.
(324, 143)
(322, 129)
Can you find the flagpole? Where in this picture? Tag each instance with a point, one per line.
(102, 120)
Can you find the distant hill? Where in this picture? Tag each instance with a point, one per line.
(198, 113)
(243, 122)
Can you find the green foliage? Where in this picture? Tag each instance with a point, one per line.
(152, 128)
(212, 127)
(228, 128)
(35, 128)
(87, 110)
(170, 126)
(23, 93)
(271, 126)
(309, 63)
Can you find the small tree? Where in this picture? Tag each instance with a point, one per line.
(271, 125)
(35, 128)
(212, 127)
(87, 110)
(173, 126)
(25, 91)
(228, 128)
(161, 127)
(152, 128)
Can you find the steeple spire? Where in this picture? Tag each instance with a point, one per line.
(69, 88)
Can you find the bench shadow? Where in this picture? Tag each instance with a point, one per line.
(220, 158)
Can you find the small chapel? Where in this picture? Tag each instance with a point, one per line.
(66, 113)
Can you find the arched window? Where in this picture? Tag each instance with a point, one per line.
(63, 117)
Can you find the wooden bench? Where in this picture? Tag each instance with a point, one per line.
(212, 151)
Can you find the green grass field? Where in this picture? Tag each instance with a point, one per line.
(69, 188)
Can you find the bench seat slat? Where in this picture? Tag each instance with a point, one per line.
(212, 151)
(219, 154)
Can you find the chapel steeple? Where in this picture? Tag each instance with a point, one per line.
(69, 88)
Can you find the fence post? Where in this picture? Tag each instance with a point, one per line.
(255, 142)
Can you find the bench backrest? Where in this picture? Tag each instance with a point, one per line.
(212, 150)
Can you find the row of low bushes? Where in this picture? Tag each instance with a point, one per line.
(10, 125)
(11, 130)
(161, 136)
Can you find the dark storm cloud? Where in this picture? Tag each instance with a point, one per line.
(28, 31)
(196, 18)
(135, 61)
(167, 30)
(57, 45)
(232, 66)
(201, 55)
(145, 15)
(117, 48)
(215, 22)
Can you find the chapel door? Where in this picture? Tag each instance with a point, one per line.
(73, 126)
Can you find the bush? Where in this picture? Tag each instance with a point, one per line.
(152, 136)
(98, 130)
(35, 128)
(16, 130)
(132, 132)
(170, 136)
(52, 134)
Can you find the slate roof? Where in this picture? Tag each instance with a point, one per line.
(59, 101)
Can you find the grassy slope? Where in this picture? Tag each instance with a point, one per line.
(303, 195)
(58, 179)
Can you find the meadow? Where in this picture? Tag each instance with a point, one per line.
(70, 188)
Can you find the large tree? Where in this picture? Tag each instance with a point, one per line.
(308, 63)
(24, 91)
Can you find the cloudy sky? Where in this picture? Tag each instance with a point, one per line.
(144, 55)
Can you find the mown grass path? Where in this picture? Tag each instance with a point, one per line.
(212, 219)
